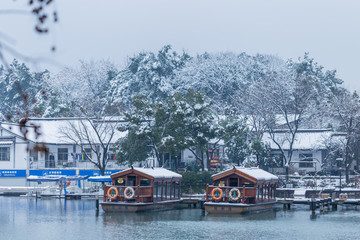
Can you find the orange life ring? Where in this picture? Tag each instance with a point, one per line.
(238, 194)
(129, 193)
(220, 195)
(112, 192)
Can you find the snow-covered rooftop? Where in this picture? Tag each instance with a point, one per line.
(254, 172)
(52, 129)
(157, 172)
(304, 139)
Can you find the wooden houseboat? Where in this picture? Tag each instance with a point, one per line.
(142, 189)
(240, 190)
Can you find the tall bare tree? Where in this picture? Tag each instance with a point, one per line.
(97, 134)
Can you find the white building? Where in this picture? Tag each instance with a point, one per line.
(42, 148)
(308, 151)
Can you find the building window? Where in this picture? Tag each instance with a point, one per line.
(62, 156)
(111, 154)
(4, 153)
(86, 154)
(306, 160)
(34, 155)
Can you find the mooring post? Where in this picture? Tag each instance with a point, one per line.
(322, 206)
(313, 205)
(97, 202)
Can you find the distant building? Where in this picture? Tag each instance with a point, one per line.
(309, 150)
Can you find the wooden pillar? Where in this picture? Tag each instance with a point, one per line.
(156, 190)
(162, 190)
(152, 190)
(268, 195)
(166, 191)
(258, 191)
(243, 195)
(262, 191)
(174, 189)
(207, 193)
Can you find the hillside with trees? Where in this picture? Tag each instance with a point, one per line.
(174, 101)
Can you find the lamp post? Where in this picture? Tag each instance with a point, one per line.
(340, 161)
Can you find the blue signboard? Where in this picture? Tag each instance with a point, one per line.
(12, 173)
(96, 172)
(45, 172)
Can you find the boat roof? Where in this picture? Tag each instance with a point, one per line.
(54, 178)
(100, 179)
(254, 174)
(153, 173)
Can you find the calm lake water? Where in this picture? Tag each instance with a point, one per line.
(53, 219)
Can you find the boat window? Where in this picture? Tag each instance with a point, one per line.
(168, 190)
(159, 193)
(155, 190)
(145, 182)
(177, 190)
(131, 181)
(233, 182)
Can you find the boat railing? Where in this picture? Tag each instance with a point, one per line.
(247, 194)
(141, 194)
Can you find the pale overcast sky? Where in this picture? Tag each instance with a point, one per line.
(116, 29)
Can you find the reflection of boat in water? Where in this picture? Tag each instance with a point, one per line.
(142, 189)
(240, 190)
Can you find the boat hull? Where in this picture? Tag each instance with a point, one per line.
(138, 207)
(237, 208)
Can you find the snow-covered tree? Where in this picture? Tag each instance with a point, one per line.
(235, 134)
(80, 91)
(286, 98)
(223, 77)
(345, 108)
(148, 74)
(24, 93)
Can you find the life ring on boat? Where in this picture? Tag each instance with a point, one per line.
(217, 193)
(129, 193)
(234, 194)
(112, 192)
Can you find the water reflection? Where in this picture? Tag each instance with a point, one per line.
(77, 219)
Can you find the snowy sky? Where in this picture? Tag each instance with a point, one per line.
(116, 29)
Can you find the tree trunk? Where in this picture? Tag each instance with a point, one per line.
(287, 173)
(102, 170)
(202, 161)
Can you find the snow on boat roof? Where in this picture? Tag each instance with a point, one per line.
(157, 172)
(48, 178)
(254, 172)
(54, 178)
(100, 179)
